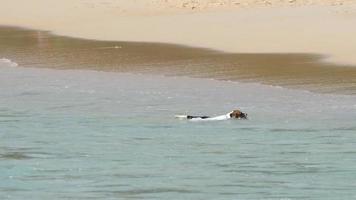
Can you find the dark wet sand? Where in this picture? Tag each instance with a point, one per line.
(31, 48)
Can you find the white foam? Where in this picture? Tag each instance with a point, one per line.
(8, 62)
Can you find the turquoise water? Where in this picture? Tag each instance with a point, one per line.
(99, 135)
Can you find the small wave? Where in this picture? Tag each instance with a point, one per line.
(8, 62)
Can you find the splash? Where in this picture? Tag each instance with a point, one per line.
(8, 62)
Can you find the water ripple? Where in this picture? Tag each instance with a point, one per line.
(15, 156)
(149, 191)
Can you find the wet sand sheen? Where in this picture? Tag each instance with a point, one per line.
(31, 48)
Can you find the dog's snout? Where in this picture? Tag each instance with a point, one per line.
(243, 115)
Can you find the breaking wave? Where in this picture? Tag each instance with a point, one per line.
(8, 62)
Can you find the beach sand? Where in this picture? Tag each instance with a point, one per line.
(237, 26)
(30, 48)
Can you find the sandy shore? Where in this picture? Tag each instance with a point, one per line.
(239, 26)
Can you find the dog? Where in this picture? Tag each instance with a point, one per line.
(235, 114)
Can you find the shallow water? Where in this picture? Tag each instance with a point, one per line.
(75, 134)
(32, 48)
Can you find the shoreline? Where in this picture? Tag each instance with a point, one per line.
(31, 48)
(317, 28)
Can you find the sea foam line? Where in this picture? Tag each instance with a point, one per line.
(8, 62)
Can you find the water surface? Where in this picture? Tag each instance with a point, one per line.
(77, 134)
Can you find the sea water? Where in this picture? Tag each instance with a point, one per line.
(76, 134)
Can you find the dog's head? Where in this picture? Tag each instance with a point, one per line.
(238, 114)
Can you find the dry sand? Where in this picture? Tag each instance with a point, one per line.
(265, 26)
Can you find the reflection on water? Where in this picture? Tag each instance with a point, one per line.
(41, 49)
